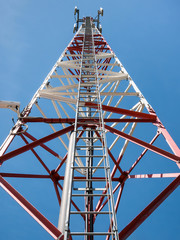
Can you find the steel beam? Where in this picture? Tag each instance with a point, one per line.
(43, 221)
(137, 221)
(64, 210)
(122, 111)
(144, 144)
(20, 175)
(72, 120)
(35, 144)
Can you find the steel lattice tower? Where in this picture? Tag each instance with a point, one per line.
(86, 126)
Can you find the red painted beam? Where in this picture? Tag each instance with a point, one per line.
(35, 144)
(170, 142)
(43, 221)
(79, 48)
(143, 153)
(72, 120)
(166, 135)
(37, 156)
(137, 221)
(122, 111)
(43, 145)
(97, 43)
(144, 144)
(155, 175)
(19, 175)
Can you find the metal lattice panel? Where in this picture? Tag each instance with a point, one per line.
(88, 97)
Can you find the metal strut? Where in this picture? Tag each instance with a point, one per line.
(90, 157)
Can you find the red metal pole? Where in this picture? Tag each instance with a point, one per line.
(72, 120)
(143, 153)
(137, 221)
(122, 111)
(35, 144)
(43, 145)
(43, 221)
(144, 144)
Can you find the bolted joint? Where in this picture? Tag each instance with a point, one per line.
(123, 177)
(54, 176)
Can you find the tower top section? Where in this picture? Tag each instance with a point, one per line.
(95, 20)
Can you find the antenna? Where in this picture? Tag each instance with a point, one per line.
(100, 12)
(76, 14)
(87, 143)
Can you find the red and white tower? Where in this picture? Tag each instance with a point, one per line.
(87, 132)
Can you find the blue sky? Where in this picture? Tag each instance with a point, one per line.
(143, 34)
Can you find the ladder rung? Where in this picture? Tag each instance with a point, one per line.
(87, 75)
(89, 122)
(88, 93)
(82, 117)
(85, 85)
(83, 97)
(88, 64)
(81, 146)
(86, 118)
(90, 130)
(89, 195)
(90, 180)
(83, 89)
(88, 69)
(89, 86)
(92, 86)
(97, 156)
(90, 138)
(93, 77)
(91, 233)
(94, 117)
(90, 212)
(89, 149)
(88, 111)
(84, 167)
(86, 54)
(88, 83)
(91, 189)
(82, 104)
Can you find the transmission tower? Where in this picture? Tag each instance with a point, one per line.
(89, 127)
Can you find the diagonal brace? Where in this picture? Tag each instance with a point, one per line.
(123, 111)
(35, 144)
(43, 221)
(137, 221)
(143, 144)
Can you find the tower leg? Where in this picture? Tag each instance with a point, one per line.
(65, 204)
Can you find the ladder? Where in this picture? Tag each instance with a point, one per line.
(89, 157)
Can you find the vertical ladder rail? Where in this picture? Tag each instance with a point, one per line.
(71, 172)
(92, 150)
(107, 172)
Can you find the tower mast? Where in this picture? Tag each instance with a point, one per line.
(89, 127)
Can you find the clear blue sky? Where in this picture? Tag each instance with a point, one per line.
(143, 34)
